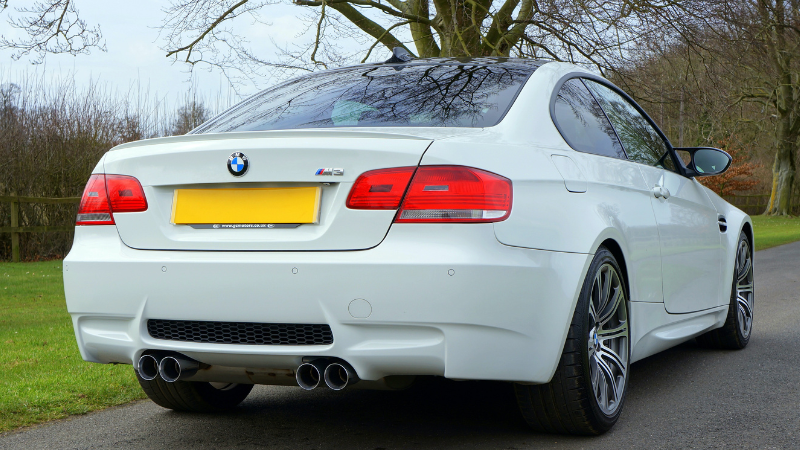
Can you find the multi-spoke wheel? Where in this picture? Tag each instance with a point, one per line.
(608, 339)
(735, 334)
(744, 288)
(588, 389)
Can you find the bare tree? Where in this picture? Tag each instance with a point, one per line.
(205, 32)
(763, 41)
(189, 117)
(778, 33)
(724, 59)
(52, 26)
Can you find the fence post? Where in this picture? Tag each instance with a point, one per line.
(14, 234)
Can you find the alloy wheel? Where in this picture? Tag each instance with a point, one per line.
(608, 339)
(744, 288)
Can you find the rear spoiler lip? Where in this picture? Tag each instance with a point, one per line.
(412, 133)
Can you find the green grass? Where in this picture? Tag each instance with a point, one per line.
(771, 231)
(42, 375)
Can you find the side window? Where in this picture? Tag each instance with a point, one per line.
(642, 142)
(582, 123)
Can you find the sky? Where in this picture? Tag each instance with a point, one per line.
(134, 57)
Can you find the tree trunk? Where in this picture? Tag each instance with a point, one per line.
(783, 171)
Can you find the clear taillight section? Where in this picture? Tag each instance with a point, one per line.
(435, 194)
(107, 194)
(380, 189)
(456, 194)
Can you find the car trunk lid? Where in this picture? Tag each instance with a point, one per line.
(284, 159)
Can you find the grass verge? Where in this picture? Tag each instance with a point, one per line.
(771, 231)
(43, 375)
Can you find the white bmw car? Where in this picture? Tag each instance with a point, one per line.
(475, 219)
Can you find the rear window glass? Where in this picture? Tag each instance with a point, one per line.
(414, 95)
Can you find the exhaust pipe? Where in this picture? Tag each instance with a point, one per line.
(147, 366)
(309, 374)
(339, 374)
(177, 367)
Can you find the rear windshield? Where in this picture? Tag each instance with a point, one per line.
(381, 96)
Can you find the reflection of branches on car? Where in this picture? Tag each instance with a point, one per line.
(451, 94)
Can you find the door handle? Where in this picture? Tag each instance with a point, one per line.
(661, 192)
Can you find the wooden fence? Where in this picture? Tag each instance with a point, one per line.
(15, 229)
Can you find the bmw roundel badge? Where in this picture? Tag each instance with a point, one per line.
(238, 164)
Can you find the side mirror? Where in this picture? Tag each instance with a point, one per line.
(704, 161)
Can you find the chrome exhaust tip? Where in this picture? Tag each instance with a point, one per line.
(147, 367)
(309, 375)
(339, 374)
(177, 367)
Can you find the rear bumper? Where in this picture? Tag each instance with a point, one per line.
(445, 300)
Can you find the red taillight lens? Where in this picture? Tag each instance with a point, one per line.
(456, 194)
(107, 193)
(380, 189)
(125, 194)
(94, 209)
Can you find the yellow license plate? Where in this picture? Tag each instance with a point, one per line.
(245, 206)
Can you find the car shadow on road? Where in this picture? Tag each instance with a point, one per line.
(434, 413)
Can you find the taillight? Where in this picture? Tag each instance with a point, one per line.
(94, 209)
(380, 189)
(456, 194)
(107, 194)
(125, 194)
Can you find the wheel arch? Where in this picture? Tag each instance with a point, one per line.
(747, 229)
(613, 239)
(616, 250)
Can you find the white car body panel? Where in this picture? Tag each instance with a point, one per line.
(423, 320)
(691, 251)
(503, 313)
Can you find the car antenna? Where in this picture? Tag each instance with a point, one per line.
(399, 55)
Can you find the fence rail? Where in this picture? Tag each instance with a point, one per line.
(15, 229)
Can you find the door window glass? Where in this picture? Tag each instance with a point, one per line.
(582, 122)
(642, 142)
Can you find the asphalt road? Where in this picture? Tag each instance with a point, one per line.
(686, 397)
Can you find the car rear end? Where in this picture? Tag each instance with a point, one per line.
(335, 246)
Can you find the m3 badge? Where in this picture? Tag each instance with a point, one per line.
(329, 171)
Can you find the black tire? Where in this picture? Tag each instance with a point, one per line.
(738, 327)
(191, 396)
(569, 403)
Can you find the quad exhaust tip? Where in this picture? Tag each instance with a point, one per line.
(309, 375)
(177, 367)
(338, 375)
(170, 368)
(148, 367)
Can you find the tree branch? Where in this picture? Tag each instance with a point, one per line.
(367, 25)
(316, 40)
(219, 20)
(377, 41)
